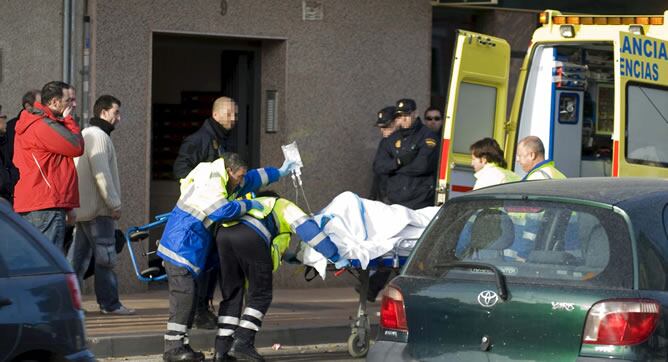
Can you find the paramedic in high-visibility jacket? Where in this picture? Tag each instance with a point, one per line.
(531, 156)
(251, 249)
(208, 196)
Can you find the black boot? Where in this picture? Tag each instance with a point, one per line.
(205, 319)
(222, 347)
(243, 347)
(182, 354)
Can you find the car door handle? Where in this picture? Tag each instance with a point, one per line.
(5, 302)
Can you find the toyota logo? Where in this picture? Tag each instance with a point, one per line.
(488, 298)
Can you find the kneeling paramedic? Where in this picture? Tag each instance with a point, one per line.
(208, 196)
(251, 249)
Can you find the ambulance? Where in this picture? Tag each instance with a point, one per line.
(593, 88)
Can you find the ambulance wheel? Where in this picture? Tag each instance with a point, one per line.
(357, 347)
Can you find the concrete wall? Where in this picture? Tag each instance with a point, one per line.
(31, 51)
(332, 76)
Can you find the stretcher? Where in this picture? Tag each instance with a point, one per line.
(136, 234)
(360, 328)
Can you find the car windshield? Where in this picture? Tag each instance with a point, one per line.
(540, 242)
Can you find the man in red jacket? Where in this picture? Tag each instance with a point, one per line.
(46, 142)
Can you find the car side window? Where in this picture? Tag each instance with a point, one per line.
(19, 253)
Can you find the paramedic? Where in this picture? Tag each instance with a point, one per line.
(489, 165)
(206, 194)
(386, 124)
(409, 159)
(206, 145)
(531, 156)
(250, 250)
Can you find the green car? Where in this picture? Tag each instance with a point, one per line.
(567, 270)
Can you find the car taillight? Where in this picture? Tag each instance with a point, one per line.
(73, 286)
(392, 311)
(621, 322)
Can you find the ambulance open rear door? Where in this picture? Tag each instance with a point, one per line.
(476, 107)
(640, 138)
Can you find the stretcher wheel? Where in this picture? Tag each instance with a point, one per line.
(151, 272)
(357, 347)
(139, 235)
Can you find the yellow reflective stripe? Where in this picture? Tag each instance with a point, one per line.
(176, 257)
(258, 225)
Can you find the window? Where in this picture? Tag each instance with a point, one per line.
(646, 125)
(475, 115)
(19, 254)
(532, 242)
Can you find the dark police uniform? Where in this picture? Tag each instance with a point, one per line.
(379, 185)
(409, 158)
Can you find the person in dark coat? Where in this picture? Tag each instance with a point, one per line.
(387, 126)
(9, 171)
(207, 144)
(210, 141)
(409, 159)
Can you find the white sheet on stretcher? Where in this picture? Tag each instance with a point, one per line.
(364, 229)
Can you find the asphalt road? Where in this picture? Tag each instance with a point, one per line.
(327, 353)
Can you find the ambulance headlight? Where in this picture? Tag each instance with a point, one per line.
(567, 31)
(637, 29)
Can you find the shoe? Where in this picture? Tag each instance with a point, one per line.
(245, 351)
(122, 310)
(205, 320)
(199, 356)
(223, 358)
(182, 354)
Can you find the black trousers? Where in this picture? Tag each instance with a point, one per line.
(181, 305)
(244, 255)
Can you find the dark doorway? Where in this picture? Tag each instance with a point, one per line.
(189, 73)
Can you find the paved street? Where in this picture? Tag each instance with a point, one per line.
(323, 352)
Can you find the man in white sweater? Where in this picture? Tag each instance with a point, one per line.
(100, 199)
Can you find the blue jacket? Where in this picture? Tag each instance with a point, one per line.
(186, 240)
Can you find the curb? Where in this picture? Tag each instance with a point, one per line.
(152, 344)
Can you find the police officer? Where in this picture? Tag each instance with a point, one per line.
(207, 196)
(250, 250)
(387, 126)
(531, 156)
(409, 159)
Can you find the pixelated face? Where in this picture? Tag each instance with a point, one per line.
(73, 97)
(525, 157)
(433, 120)
(478, 163)
(404, 120)
(226, 114)
(3, 124)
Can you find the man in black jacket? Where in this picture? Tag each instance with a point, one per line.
(7, 145)
(387, 126)
(210, 141)
(207, 144)
(409, 159)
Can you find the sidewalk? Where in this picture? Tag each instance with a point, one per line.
(296, 317)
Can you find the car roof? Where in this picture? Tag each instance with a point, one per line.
(608, 190)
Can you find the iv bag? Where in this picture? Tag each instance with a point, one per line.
(291, 152)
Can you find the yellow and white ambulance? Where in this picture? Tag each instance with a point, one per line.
(593, 88)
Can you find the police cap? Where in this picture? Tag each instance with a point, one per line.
(385, 116)
(405, 106)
